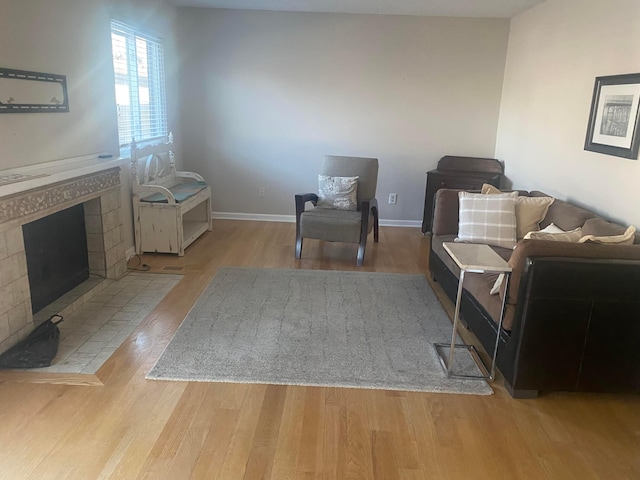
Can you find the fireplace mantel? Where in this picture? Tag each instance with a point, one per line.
(31, 192)
(36, 191)
(50, 172)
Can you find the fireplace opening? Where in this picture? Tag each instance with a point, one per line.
(57, 257)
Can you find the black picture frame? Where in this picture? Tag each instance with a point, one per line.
(614, 120)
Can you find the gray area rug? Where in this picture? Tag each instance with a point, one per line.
(316, 327)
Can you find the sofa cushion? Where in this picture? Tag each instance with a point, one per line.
(625, 238)
(529, 210)
(478, 285)
(487, 219)
(599, 227)
(572, 236)
(563, 214)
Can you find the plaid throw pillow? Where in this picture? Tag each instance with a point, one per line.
(530, 211)
(488, 219)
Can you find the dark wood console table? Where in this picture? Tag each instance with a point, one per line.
(465, 173)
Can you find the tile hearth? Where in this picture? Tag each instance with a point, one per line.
(99, 315)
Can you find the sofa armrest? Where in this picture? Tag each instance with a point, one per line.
(576, 325)
(445, 212)
(527, 249)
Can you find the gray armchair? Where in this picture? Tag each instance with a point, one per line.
(342, 225)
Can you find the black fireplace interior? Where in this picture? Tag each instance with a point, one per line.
(57, 259)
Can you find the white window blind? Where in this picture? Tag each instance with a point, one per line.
(138, 63)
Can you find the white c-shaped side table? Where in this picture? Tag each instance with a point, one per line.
(473, 258)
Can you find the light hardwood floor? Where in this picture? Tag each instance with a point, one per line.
(131, 428)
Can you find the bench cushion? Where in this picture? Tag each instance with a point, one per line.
(181, 192)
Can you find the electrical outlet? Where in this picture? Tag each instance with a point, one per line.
(261, 192)
(393, 198)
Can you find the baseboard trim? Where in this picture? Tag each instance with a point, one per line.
(256, 217)
(261, 217)
(401, 223)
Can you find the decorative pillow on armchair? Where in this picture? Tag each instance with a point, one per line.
(338, 193)
(488, 219)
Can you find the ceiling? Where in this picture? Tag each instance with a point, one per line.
(438, 8)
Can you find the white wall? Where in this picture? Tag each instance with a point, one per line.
(555, 52)
(72, 38)
(265, 95)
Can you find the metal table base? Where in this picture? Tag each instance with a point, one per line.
(486, 373)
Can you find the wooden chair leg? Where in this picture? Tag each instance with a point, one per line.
(375, 224)
(363, 244)
(301, 199)
(368, 206)
(361, 248)
(298, 246)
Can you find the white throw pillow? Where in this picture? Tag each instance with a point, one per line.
(551, 228)
(338, 193)
(496, 286)
(487, 219)
(572, 236)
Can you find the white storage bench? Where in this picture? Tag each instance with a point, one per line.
(171, 209)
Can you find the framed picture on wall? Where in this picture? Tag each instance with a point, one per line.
(614, 121)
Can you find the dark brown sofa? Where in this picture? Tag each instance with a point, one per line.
(572, 320)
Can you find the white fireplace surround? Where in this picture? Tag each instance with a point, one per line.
(33, 192)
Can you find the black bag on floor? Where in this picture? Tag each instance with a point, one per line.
(38, 349)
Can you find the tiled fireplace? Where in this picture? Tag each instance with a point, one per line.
(35, 192)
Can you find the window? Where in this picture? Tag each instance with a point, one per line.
(138, 63)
